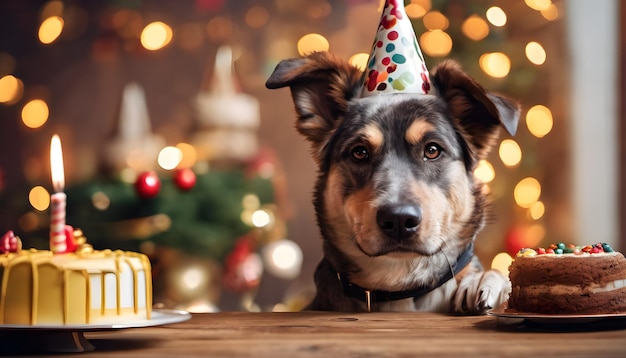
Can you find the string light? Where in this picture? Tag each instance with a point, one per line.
(312, 43)
(156, 35)
(35, 113)
(551, 13)
(415, 11)
(39, 198)
(436, 43)
(535, 53)
(359, 60)
(484, 171)
(527, 192)
(510, 152)
(435, 20)
(11, 89)
(50, 29)
(169, 158)
(495, 64)
(475, 28)
(539, 120)
(537, 210)
(496, 16)
(538, 5)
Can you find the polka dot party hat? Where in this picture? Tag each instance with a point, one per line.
(396, 63)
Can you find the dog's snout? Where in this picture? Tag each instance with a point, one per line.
(399, 221)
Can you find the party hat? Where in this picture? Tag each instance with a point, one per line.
(396, 63)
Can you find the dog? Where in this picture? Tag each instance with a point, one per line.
(396, 200)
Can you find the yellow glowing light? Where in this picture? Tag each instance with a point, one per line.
(156, 35)
(39, 198)
(495, 64)
(537, 210)
(192, 278)
(496, 16)
(510, 152)
(475, 28)
(535, 53)
(415, 11)
(169, 158)
(501, 262)
(35, 113)
(261, 218)
(189, 155)
(250, 202)
(435, 20)
(436, 43)
(50, 29)
(538, 5)
(484, 171)
(534, 234)
(312, 43)
(527, 192)
(257, 16)
(10, 89)
(359, 60)
(285, 256)
(551, 13)
(100, 201)
(426, 4)
(539, 120)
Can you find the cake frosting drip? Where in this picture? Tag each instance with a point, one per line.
(568, 279)
(86, 287)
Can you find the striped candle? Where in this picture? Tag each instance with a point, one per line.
(58, 243)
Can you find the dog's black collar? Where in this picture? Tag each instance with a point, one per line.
(368, 296)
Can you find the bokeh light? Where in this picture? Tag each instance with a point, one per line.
(510, 152)
(535, 53)
(551, 13)
(35, 113)
(501, 262)
(537, 210)
(39, 198)
(484, 171)
(11, 89)
(475, 28)
(359, 60)
(415, 11)
(539, 120)
(50, 29)
(257, 16)
(283, 259)
(169, 158)
(435, 20)
(156, 35)
(496, 16)
(495, 64)
(261, 218)
(538, 5)
(189, 155)
(527, 192)
(436, 43)
(312, 43)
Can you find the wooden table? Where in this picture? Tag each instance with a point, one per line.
(326, 334)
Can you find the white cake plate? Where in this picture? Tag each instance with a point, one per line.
(71, 338)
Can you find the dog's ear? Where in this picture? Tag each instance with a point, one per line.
(321, 87)
(478, 113)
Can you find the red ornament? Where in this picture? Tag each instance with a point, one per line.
(185, 179)
(515, 240)
(148, 185)
(242, 267)
(10, 243)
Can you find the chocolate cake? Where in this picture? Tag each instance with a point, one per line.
(568, 280)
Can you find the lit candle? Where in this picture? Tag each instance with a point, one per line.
(58, 243)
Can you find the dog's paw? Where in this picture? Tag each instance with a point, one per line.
(481, 291)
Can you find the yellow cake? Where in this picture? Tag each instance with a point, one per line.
(94, 287)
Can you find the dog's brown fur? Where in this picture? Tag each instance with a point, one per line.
(416, 151)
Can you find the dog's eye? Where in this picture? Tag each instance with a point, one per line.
(360, 153)
(432, 151)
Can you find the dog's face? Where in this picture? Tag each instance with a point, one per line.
(396, 185)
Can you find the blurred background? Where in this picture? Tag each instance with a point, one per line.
(173, 147)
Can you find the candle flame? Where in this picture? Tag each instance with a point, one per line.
(56, 164)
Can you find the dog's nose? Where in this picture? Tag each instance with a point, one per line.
(399, 221)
